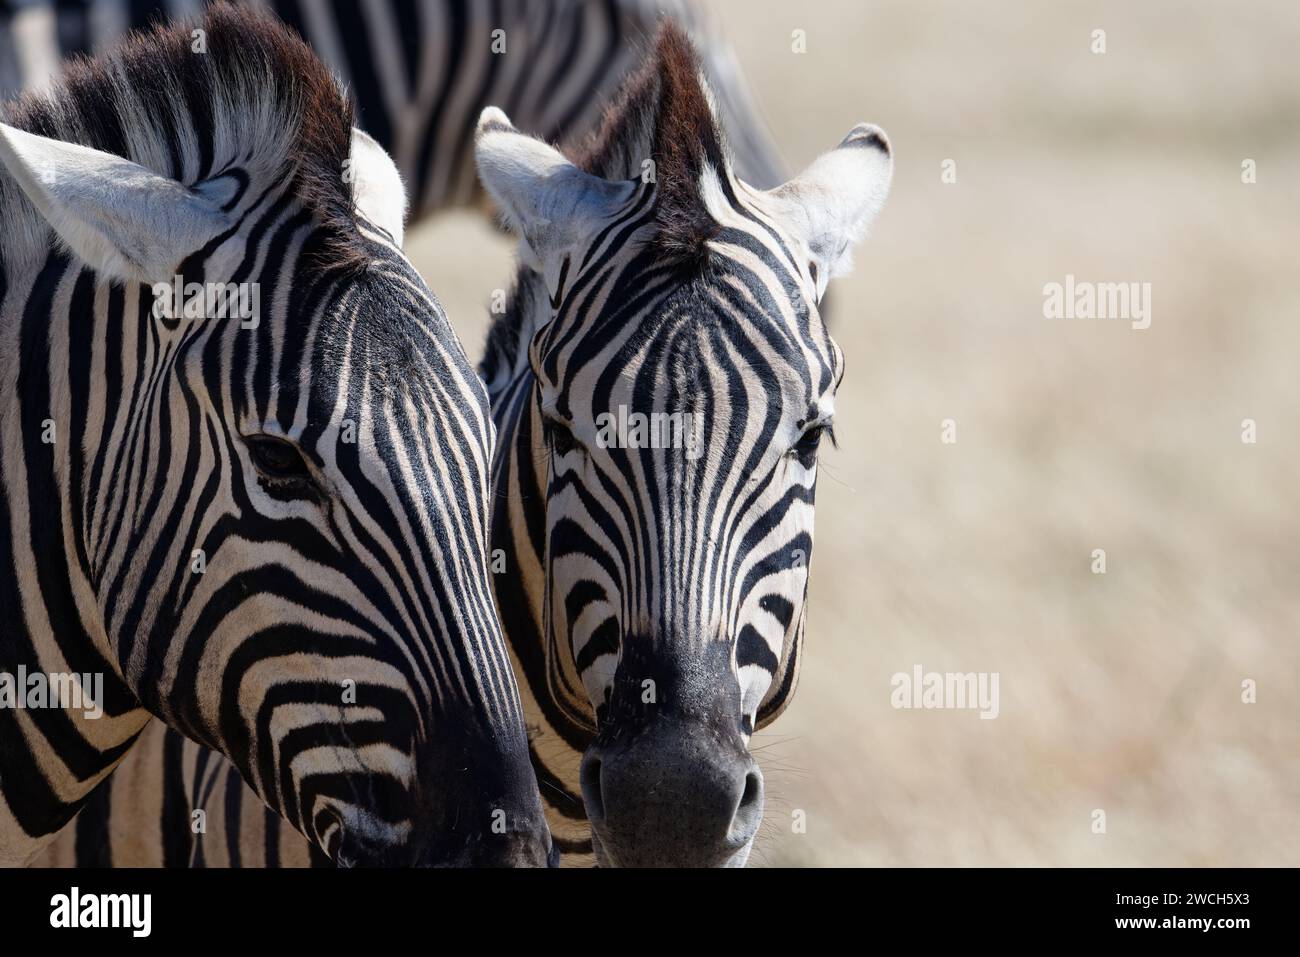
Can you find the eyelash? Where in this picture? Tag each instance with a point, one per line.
(288, 473)
(560, 438)
(808, 442)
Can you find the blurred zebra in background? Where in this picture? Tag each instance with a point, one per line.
(421, 71)
(265, 526)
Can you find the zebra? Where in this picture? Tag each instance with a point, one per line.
(268, 533)
(657, 604)
(654, 598)
(422, 70)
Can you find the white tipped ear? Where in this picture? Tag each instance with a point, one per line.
(547, 200)
(832, 202)
(123, 220)
(377, 186)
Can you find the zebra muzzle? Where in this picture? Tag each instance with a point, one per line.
(673, 795)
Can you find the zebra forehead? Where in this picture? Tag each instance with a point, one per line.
(410, 367)
(685, 346)
(384, 299)
(711, 321)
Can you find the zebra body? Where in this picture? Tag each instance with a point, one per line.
(270, 533)
(421, 71)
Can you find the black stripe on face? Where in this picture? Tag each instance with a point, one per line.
(604, 640)
(752, 649)
(779, 608)
(580, 596)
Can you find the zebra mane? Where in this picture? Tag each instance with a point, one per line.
(185, 104)
(664, 112)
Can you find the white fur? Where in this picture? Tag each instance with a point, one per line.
(831, 204)
(377, 186)
(547, 200)
(120, 218)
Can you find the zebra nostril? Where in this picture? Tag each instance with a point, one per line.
(749, 812)
(592, 796)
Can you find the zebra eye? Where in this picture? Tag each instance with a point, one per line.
(277, 459)
(561, 439)
(806, 448)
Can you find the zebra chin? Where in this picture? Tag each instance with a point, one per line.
(477, 805)
(369, 843)
(351, 849)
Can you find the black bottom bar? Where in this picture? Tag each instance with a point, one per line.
(439, 907)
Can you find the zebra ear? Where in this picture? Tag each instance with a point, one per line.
(377, 186)
(123, 220)
(832, 202)
(548, 201)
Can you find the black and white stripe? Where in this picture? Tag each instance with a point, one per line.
(326, 467)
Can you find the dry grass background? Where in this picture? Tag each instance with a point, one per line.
(1122, 691)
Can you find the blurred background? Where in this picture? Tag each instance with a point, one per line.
(1119, 692)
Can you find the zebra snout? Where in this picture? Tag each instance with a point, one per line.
(673, 796)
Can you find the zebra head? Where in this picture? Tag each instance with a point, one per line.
(280, 515)
(679, 382)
